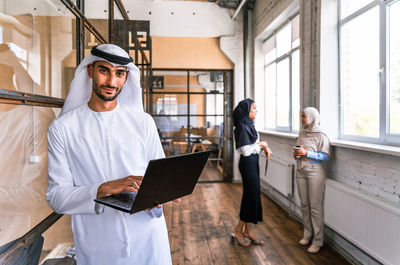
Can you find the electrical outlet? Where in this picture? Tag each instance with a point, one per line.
(34, 159)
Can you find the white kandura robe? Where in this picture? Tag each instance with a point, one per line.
(87, 148)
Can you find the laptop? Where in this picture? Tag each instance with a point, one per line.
(166, 179)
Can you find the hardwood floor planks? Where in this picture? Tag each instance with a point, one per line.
(200, 226)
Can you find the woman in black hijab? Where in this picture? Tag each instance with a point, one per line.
(249, 146)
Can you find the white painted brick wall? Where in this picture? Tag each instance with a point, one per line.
(232, 47)
(377, 174)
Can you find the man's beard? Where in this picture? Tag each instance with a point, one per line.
(96, 90)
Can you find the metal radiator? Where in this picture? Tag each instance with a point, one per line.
(279, 175)
(369, 222)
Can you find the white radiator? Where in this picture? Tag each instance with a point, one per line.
(279, 175)
(371, 223)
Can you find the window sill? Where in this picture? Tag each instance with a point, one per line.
(280, 134)
(376, 148)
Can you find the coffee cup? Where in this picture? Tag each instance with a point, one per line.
(296, 147)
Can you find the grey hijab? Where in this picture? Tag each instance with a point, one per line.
(311, 136)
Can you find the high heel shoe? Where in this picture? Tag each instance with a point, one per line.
(244, 242)
(254, 241)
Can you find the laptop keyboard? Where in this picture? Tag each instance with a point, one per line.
(124, 199)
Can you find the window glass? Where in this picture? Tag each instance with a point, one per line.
(29, 61)
(207, 81)
(206, 104)
(394, 68)
(283, 40)
(214, 104)
(166, 104)
(283, 92)
(169, 104)
(281, 78)
(360, 77)
(215, 122)
(347, 7)
(296, 90)
(269, 50)
(173, 81)
(270, 96)
(295, 31)
(168, 126)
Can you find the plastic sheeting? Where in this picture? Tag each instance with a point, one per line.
(22, 183)
(25, 66)
(23, 137)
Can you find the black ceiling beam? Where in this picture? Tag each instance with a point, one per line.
(122, 9)
(75, 10)
(21, 98)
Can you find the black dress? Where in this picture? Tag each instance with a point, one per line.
(250, 208)
(245, 134)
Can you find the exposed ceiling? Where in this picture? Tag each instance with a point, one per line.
(227, 3)
(222, 3)
(232, 3)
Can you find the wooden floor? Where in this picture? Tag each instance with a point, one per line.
(199, 231)
(210, 173)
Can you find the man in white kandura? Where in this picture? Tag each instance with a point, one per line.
(101, 144)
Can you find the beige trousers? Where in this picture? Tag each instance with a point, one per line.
(311, 187)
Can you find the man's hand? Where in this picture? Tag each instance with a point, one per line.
(149, 209)
(129, 183)
(159, 205)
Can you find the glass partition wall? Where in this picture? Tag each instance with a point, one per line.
(190, 109)
(38, 57)
(41, 42)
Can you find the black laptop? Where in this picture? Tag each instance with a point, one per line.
(165, 180)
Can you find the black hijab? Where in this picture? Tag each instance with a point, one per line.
(245, 133)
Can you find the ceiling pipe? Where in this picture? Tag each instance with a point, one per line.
(233, 4)
(238, 9)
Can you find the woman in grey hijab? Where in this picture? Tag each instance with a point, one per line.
(311, 150)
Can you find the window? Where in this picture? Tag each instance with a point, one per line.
(282, 77)
(370, 70)
(167, 105)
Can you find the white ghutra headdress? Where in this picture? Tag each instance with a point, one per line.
(81, 86)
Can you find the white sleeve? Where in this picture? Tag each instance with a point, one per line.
(62, 195)
(249, 149)
(154, 151)
(154, 146)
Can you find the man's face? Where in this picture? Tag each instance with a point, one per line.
(107, 79)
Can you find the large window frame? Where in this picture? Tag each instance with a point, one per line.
(385, 136)
(294, 98)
